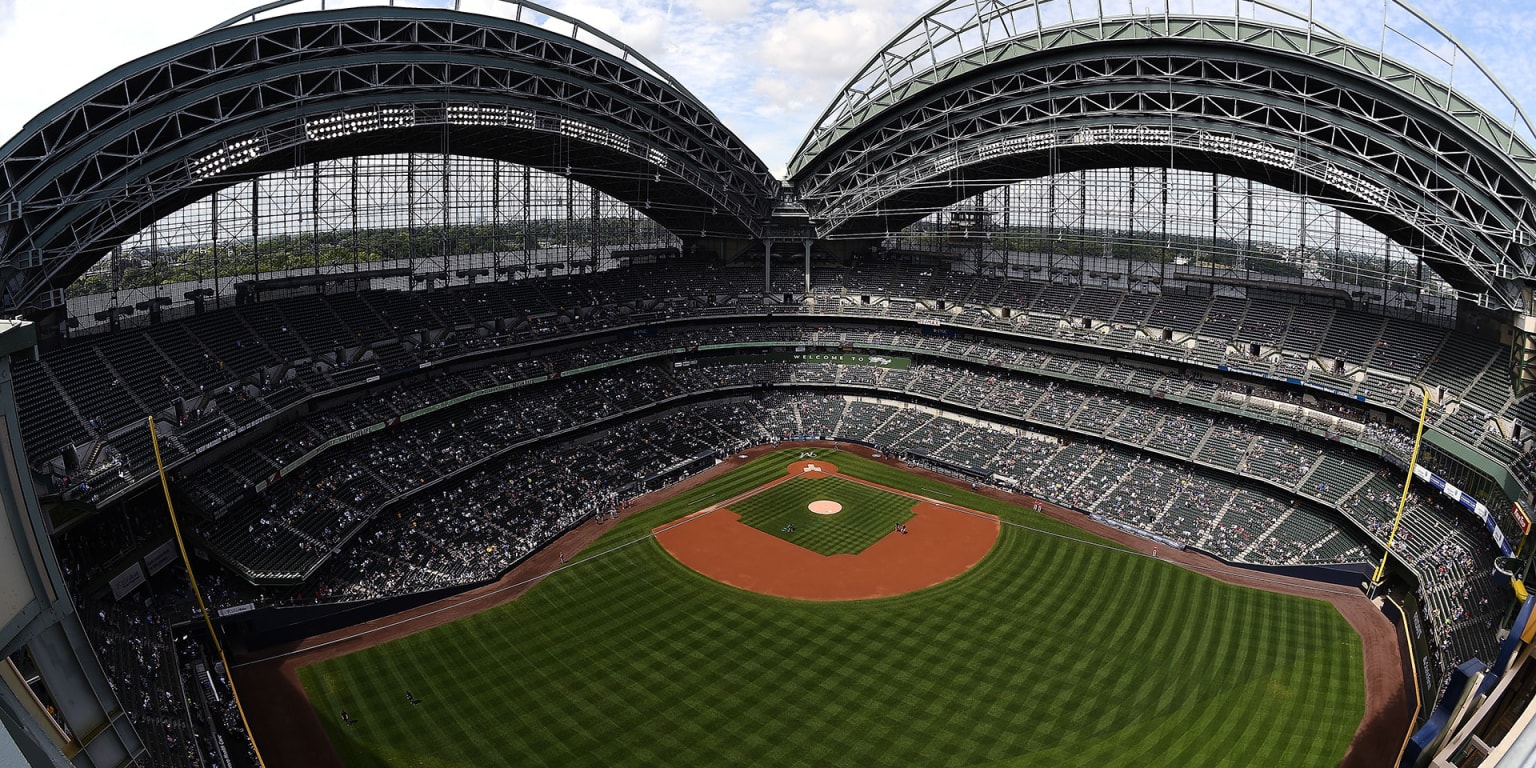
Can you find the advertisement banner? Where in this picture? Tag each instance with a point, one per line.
(127, 581)
(161, 556)
(835, 358)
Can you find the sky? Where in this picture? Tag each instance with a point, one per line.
(767, 68)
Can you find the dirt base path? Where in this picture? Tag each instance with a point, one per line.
(288, 731)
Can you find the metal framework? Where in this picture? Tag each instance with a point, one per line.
(287, 90)
(978, 95)
(1153, 223)
(973, 96)
(443, 219)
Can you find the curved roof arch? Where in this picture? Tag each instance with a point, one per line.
(513, 10)
(281, 91)
(975, 95)
(962, 34)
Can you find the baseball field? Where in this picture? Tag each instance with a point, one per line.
(1050, 647)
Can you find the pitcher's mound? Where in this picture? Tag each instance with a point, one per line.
(824, 507)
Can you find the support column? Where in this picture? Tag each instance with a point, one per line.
(1523, 351)
(213, 237)
(808, 267)
(767, 267)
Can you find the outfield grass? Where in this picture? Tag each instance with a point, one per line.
(1050, 652)
(868, 515)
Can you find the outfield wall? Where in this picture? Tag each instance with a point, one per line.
(1342, 574)
(1407, 657)
(266, 627)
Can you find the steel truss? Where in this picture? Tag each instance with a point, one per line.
(1416, 176)
(1434, 179)
(1144, 221)
(962, 36)
(240, 101)
(461, 220)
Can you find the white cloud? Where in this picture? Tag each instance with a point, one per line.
(724, 10)
(779, 95)
(640, 26)
(804, 56)
(826, 45)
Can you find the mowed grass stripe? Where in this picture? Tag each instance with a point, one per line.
(1048, 652)
(868, 514)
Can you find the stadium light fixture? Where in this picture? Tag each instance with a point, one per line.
(359, 121)
(226, 157)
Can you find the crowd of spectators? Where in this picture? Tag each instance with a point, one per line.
(492, 517)
(341, 490)
(483, 520)
(178, 699)
(134, 643)
(1460, 595)
(449, 496)
(250, 361)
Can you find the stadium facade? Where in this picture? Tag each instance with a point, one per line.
(1232, 251)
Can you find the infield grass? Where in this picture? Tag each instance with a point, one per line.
(1055, 650)
(868, 514)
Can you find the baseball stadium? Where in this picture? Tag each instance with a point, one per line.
(444, 383)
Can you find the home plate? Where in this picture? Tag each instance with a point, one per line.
(825, 507)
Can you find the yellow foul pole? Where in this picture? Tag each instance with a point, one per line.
(229, 672)
(1402, 501)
